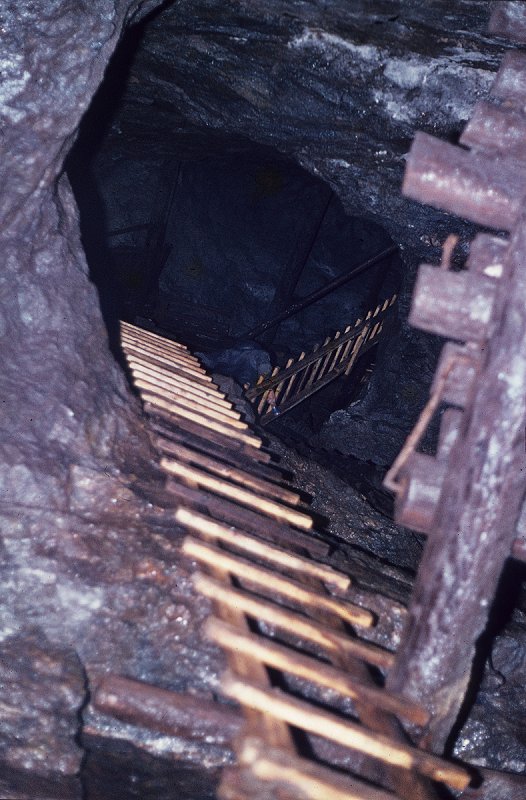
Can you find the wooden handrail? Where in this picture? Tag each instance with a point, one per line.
(281, 391)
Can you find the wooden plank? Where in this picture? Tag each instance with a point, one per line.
(130, 340)
(302, 715)
(174, 392)
(200, 406)
(169, 437)
(150, 335)
(177, 426)
(256, 547)
(236, 493)
(293, 623)
(313, 781)
(241, 476)
(249, 520)
(277, 735)
(152, 403)
(184, 362)
(134, 360)
(156, 397)
(143, 378)
(376, 719)
(173, 379)
(311, 669)
(155, 341)
(143, 356)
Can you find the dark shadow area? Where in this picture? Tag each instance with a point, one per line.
(79, 166)
(208, 241)
(124, 772)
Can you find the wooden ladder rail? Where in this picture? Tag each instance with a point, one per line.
(301, 378)
(248, 533)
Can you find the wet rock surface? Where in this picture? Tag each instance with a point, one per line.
(119, 594)
(118, 769)
(493, 736)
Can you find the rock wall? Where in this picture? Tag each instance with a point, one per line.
(81, 585)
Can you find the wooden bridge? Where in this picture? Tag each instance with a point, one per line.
(273, 396)
(300, 642)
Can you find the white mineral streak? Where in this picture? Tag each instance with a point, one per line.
(480, 308)
(38, 575)
(339, 162)
(401, 112)
(514, 379)
(406, 74)
(13, 80)
(33, 307)
(430, 176)
(61, 433)
(79, 601)
(493, 270)
(311, 37)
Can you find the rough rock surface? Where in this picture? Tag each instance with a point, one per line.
(118, 594)
(66, 412)
(75, 563)
(493, 736)
(43, 689)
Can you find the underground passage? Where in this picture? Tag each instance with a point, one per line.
(262, 460)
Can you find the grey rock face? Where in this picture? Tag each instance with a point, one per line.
(339, 88)
(71, 436)
(64, 400)
(42, 693)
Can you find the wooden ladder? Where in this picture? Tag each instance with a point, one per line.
(300, 378)
(299, 643)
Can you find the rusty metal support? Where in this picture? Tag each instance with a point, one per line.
(292, 272)
(299, 305)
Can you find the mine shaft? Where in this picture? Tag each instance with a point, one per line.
(263, 431)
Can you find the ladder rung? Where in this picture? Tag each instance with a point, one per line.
(292, 622)
(312, 781)
(349, 734)
(269, 581)
(311, 669)
(259, 548)
(237, 493)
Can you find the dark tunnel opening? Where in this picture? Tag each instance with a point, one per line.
(210, 245)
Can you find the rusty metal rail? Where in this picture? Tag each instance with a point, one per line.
(306, 375)
(299, 663)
